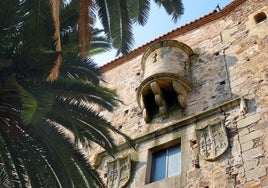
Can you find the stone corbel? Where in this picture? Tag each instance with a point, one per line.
(159, 99)
(145, 113)
(243, 106)
(181, 93)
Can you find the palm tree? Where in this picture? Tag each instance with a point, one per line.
(38, 132)
(35, 115)
(44, 125)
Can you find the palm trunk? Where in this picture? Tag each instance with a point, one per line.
(55, 6)
(85, 27)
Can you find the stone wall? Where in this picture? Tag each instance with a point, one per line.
(230, 78)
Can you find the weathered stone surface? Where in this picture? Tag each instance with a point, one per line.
(250, 164)
(264, 161)
(247, 145)
(243, 131)
(248, 120)
(256, 173)
(253, 153)
(251, 136)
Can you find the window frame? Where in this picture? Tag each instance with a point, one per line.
(157, 149)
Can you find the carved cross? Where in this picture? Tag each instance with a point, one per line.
(205, 143)
(155, 57)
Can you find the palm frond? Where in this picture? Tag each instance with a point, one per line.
(119, 27)
(13, 163)
(4, 181)
(38, 25)
(83, 69)
(69, 15)
(8, 12)
(11, 15)
(9, 105)
(92, 177)
(5, 167)
(99, 43)
(173, 8)
(139, 11)
(5, 64)
(104, 15)
(70, 88)
(84, 122)
(63, 161)
(34, 65)
(35, 102)
(25, 156)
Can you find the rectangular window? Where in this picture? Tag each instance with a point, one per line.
(166, 163)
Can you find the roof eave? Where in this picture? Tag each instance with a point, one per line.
(176, 32)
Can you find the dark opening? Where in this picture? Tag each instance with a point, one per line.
(171, 98)
(150, 104)
(260, 17)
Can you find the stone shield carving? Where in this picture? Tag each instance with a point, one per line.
(118, 172)
(212, 139)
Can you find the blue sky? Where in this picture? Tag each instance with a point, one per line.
(160, 23)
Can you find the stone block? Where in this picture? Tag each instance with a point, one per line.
(236, 90)
(264, 182)
(252, 184)
(233, 77)
(238, 82)
(236, 150)
(247, 145)
(183, 179)
(264, 123)
(187, 161)
(194, 174)
(251, 136)
(227, 35)
(248, 120)
(255, 173)
(252, 153)
(243, 132)
(250, 164)
(264, 161)
(237, 161)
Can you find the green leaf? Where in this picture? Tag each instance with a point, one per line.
(35, 103)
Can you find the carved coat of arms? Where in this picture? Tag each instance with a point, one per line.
(212, 139)
(118, 172)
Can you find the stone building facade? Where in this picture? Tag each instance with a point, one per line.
(195, 103)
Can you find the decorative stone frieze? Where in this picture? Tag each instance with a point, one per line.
(166, 70)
